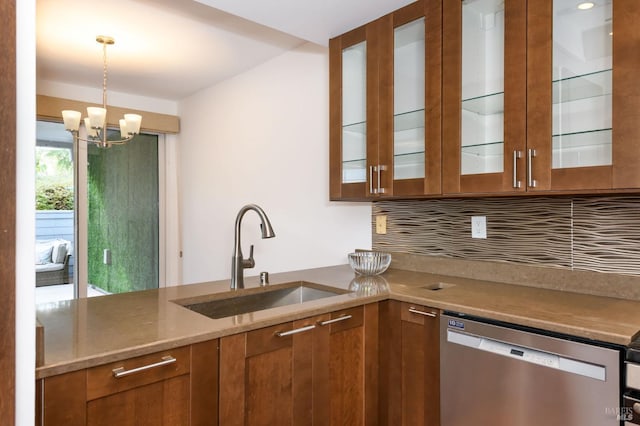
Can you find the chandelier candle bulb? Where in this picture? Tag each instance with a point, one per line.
(123, 127)
(97, 117)
(133, 123)
(91, 132)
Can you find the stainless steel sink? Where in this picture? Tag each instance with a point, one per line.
(252, 300)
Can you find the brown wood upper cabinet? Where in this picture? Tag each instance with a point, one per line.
(540, 95)
(312, 371)
(385, 98)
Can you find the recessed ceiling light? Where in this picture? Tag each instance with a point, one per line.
(586, 5)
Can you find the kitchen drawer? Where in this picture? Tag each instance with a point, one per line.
(417, 314)
(345, 319)
(140, 371)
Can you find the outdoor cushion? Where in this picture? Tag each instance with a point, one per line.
(43, 253)
(50, 267)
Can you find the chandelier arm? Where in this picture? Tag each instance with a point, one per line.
(99, 142)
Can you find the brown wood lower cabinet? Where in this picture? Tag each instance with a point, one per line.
(312, 371)
(409, 364)
(152, 390)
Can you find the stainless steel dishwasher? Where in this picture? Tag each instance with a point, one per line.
(496, 374)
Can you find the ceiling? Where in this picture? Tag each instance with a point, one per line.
(170, 49)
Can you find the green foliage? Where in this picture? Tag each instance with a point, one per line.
(123, 216)
(54, 197)
(54, 179)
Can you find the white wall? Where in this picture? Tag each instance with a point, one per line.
(262, 137)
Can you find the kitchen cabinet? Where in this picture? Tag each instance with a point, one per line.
(172, 387)
(540, 96)
(314, 371)
(385, 115)
(409, 364)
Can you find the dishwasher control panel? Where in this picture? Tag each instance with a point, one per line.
(525, 354)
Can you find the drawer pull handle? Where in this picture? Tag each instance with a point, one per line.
(295, 331)
(426, 314)
(121, 372)
(334, 320)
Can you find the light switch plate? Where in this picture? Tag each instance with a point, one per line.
(381, 224)
(478, 227)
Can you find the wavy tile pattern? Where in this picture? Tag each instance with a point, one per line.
(606, 235)
(590, 233)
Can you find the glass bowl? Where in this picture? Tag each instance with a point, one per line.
(369, 262)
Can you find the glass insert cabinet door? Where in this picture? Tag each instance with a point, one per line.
(353, 112)
(410, 110)
(588, 138)
(484, 95)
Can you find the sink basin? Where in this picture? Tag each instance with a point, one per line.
(229, 304)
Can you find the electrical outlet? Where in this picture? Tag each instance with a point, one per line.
(381, 224)
(478, 227)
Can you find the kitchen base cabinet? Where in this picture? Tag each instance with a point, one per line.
(173, 387)
(409, 364)
(313, 371)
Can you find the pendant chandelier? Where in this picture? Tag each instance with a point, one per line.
(96, 121)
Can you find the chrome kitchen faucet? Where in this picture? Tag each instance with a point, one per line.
(238, 263)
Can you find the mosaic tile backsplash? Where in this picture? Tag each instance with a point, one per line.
(599, 234)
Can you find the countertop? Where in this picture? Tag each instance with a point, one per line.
(88, 332)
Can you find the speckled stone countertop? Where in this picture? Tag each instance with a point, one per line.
(94, 331)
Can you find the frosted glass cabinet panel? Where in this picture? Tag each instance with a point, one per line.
(408, 100)
(354, 113)
(582, 83)
(482, 118)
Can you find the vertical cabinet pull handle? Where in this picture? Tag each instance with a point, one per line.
(371, 191)
(419, 312)
(295, 331)
(532, 182)
(334, 320)
(121, 372)
(381, 168)
(516, 155)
